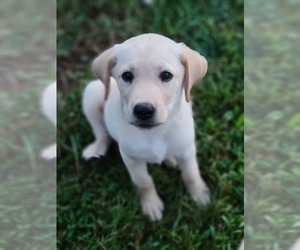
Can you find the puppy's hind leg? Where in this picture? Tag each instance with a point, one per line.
(48, 106)
(192, 178)
(93, 106)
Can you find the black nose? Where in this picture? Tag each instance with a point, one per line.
(144, 111)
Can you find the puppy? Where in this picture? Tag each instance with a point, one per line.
(48, 106)
(142, 101)
(297, 245)
(242, 246)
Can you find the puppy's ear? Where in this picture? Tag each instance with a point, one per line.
(103, 65)
(195, 67)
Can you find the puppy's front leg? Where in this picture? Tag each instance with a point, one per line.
(152, 205)
(192, 178)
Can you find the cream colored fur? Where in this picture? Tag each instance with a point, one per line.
(109, 103)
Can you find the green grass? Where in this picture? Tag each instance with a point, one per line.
(97, 204)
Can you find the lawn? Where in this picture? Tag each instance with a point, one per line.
(97, 205)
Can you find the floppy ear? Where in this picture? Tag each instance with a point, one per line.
(195, 67)
(103, 65)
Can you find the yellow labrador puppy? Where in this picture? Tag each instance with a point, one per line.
(48, 106)
(142, 101)
(297, 245)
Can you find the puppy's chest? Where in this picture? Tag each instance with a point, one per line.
(152, 150)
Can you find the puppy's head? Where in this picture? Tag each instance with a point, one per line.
(151, 71)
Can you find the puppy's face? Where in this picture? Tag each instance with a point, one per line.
(150, 81)
(151, 72)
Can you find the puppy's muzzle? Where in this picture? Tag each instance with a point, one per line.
(145, 115)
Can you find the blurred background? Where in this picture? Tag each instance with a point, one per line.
(97, 204)
(272, 124)
(27, 181)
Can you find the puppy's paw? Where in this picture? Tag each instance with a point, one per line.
(170, 162)
(49, 153)
(200, 194)
(296, 246)
(95, 149)
(242, 246)
(152, 207)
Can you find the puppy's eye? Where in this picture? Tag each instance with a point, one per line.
(127, 76)
(165, 76)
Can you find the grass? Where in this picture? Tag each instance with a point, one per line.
(97, 204)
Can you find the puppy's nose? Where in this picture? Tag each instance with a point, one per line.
(144, 111)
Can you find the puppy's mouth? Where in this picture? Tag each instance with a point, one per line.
(145, 125)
